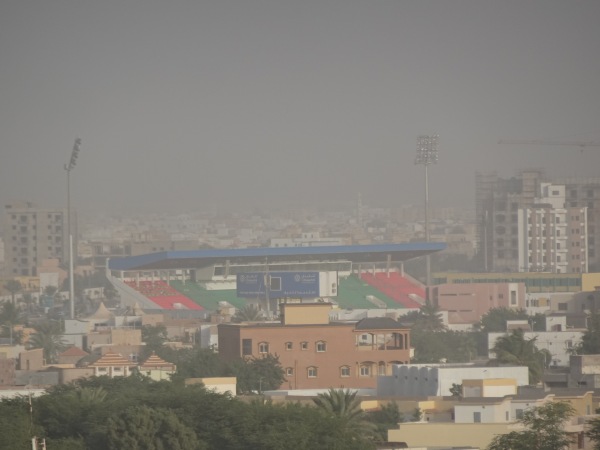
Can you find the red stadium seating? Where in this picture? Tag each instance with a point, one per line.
(165, 296)
(396, 287)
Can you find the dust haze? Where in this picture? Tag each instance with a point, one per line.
(188, 105)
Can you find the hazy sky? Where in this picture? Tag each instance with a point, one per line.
(185, 105)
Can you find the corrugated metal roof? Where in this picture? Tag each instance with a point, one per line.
(204, 258)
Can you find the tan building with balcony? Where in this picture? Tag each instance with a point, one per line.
(316, 353)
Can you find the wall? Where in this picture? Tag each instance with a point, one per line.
(419, 380)
(418, 434)
(489, 413)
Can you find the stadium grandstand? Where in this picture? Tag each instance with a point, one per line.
(204, 281)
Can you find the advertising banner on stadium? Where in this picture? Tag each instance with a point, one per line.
(281, 285)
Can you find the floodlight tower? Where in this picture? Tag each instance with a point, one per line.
(68, 167)
(427, 154)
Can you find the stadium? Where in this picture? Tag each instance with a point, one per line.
(200, 282)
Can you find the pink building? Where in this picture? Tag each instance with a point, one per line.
(466, 303)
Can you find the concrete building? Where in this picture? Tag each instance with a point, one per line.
(32, 235)
(552, 237)
(505, 206)
(466, 303)
(422, 380)
(112, 365)
(316, 353)
(157, 368)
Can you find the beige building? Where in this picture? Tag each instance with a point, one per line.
(466, 303)
(157, 368)
(32, 235)
(112, 365)
(316, 353)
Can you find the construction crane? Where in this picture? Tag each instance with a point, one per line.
(581, 144)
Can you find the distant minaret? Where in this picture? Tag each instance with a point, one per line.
(359, 210)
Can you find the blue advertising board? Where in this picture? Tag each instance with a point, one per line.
(282, 285)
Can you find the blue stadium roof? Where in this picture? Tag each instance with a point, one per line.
(196, 259)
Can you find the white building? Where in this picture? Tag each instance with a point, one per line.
(423, 380)
(551, 236)
(558, 343)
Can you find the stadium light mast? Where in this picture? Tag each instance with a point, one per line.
(68, 167)
(427, 154)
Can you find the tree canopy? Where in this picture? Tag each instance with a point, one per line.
(590, 341)
(494, 321)
(515, 349)
(48, 336)
(544, 430)
(134, 412)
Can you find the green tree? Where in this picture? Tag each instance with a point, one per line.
(590, 341)
(544, 430)
(494, 321)
(154, 336)
(593, 431)
(248, 313)
(9, 317)
(48, 336)
(456, 390)
(13, 286)
(15, 424)
(194, 362)
(10, 314)
(515, 349)
(430, 318)
(344, 406)
(449, 345)
(258, 374)
(144, 428)
(385, 418)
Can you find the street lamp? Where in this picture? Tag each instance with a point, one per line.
(427, 153)
(68, 167)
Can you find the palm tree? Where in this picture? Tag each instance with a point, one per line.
(13, 286)
(343, 405)
(89, 395)
(9, 317)
(340, 403)
(249, 313)
(516, 350)
(48, 336)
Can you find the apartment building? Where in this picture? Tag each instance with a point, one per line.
(528, 224)
(316, 353)
(32, 235)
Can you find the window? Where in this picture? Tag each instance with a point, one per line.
(289, 371)
(289, 346)
(365, 371)
(321, 346)
(263, 347)
(312, 372)
(246, 347)
(303, 345)
(519, 414)
(345, 371)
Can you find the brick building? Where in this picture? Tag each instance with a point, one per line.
(316, 353)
